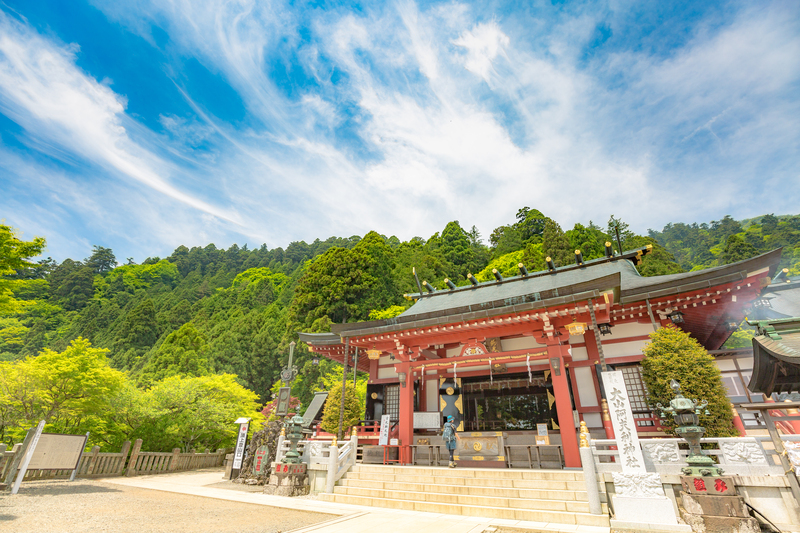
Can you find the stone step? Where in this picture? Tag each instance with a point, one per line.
(467, 490)
(483, 500)
(478, 473)
(532, 515)
(448, 479)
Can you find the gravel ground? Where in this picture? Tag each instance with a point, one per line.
(88, 506)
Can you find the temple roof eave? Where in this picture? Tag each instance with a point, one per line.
(376, 328)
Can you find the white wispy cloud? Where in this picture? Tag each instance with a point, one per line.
(421, 115)
(42, 90)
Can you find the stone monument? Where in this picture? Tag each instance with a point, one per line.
(639, 502)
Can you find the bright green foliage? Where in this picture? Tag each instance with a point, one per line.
(533, 257)
(194, 410)
(589, 240)
(183, 353)
(132, 277)
(390, 312)
(67, 389)
(507, 265)
(14, 256)
(741, 338)
(673, 354)
(353, 410)
(556, 245)
(659, 262)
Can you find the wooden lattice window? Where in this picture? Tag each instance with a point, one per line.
(391, 402)
(637, 394)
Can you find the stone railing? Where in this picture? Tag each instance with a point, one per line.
(744, 456)
(759, 477)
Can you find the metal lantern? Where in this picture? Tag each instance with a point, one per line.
(315, 360)
(676, 317)
(686, 413)
(605, 329)
(374, 354)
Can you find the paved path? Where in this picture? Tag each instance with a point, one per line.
(346, 518)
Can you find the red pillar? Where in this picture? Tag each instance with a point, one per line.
(566, 421)
(406, 422)
(737, 423)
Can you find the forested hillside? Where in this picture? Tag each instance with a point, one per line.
(207, 311)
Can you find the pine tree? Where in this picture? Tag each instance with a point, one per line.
(673, 354)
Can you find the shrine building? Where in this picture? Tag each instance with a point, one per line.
(513, 353)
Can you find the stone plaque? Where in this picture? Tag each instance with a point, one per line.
(57, 452)
(260, 460)
(427, 420)
(619, 407)
(714, 485)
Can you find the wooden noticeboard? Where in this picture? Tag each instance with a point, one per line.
(57, 452)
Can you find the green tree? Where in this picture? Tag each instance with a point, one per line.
(66, 389)
(15, 256)
(139, 332)
(102, 260)
(674, 354)
(530, 223)
(183, 353)
(198, 412)
(352, 409)
(556, 245)
(737, 249)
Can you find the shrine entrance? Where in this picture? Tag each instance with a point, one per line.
(507, 403)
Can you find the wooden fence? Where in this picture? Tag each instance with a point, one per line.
(94, 464)
(142, 463)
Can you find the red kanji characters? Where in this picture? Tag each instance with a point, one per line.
(720, 485)
(699, 484)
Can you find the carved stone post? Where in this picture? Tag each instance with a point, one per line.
(589, 473)
(333, 467)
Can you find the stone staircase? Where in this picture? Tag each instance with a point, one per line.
(552, 496)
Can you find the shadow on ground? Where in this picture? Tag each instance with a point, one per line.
(51, 488)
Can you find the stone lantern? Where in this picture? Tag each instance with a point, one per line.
(686, 413)
(294, 433)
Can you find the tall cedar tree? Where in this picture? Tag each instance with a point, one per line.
(673, 354)
(556, 245)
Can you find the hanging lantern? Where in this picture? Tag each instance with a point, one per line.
(374, 354)
(605, 329)
(676, 317)
(576, 328)
(315, 360)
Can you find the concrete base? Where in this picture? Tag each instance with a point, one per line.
(621, 526)
(644, 510)
(717, 514)
(289, 485)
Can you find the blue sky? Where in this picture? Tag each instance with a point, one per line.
(145, 125)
